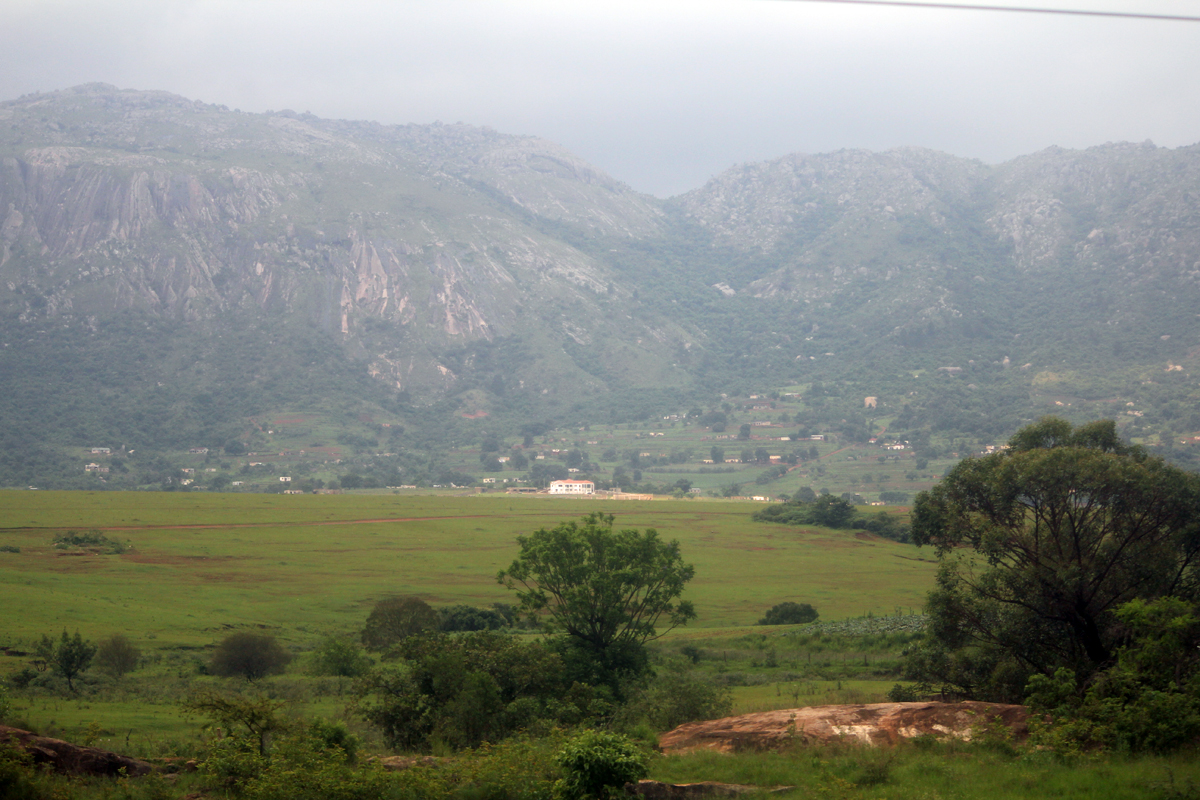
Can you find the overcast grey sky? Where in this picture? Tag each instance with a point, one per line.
(661, 94)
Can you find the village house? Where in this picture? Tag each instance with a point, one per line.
(101, 451)
(572, 487)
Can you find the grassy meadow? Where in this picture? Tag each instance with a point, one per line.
(305, 566)
(202, 565)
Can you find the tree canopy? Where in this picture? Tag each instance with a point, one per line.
(1040, 544)
(606, 589)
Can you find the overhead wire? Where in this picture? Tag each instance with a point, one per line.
(1078, 12)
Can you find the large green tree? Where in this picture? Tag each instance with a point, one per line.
(607, 590)
(1040, 544)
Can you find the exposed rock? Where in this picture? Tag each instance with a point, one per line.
(656, 790)
(872, 724)
(72, 759)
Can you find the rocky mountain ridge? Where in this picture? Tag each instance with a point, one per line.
(506, 276)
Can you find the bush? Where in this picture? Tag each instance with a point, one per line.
(597, 765)
(340, 658)
(789, 613)
(116, 656)
(674, 697)
(459, 691)
(250, 655)
(469, 618)
(394, 619)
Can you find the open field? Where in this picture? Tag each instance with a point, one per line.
(305, 566)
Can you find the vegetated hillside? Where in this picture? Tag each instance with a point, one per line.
(169, 268)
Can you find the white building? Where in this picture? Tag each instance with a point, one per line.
(572, 487)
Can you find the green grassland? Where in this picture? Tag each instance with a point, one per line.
(301, 566)
(201, 564)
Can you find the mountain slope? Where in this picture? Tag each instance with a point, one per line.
(169, 269)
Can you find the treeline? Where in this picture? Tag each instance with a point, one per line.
(827, 511)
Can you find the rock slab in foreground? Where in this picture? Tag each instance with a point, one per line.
(656, 790)
(873, 724)
(72, 759)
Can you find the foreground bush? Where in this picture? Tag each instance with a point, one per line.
(596, 765)
(460, 691)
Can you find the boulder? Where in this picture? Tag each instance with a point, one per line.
(874, 724)
(72, 759)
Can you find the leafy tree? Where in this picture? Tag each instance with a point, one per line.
(250, 655)
(117, 655)
(68, 657)
(340, 657)
(1148, 700)
(606, 590)
(394, 619)
(1065, 526)
(744, 431)
(789, 613)
(258, 715)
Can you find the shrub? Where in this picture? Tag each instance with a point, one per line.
(673, 698)
(341, 658)
(116, 656)
(250, 655)
(597, 765)
(789, 613)
(469, 618)
(394, 619)
(459, 691)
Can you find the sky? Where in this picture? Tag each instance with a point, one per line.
(661, 94)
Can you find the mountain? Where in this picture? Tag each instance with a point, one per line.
(170, 269)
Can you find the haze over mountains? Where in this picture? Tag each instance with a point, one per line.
(170, 268)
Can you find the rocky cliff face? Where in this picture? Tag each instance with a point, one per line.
(924, 236)
(116, 199)
(419, 247)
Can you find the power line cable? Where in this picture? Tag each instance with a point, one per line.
(1017, 9)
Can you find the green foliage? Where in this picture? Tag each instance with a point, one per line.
(255, 716)
(340, 657)
(1068, 525)
(828, 511)
(249, 655)
(605, 589)
(1148, 701)
(16, 771)
(521, 767)
(93, 541)
(597, 765)
(675, 695)
(470, 618)
(116, 655)
(68, 657)
(394, 619)
(789, 613)
(305, 764)
(459, 691)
